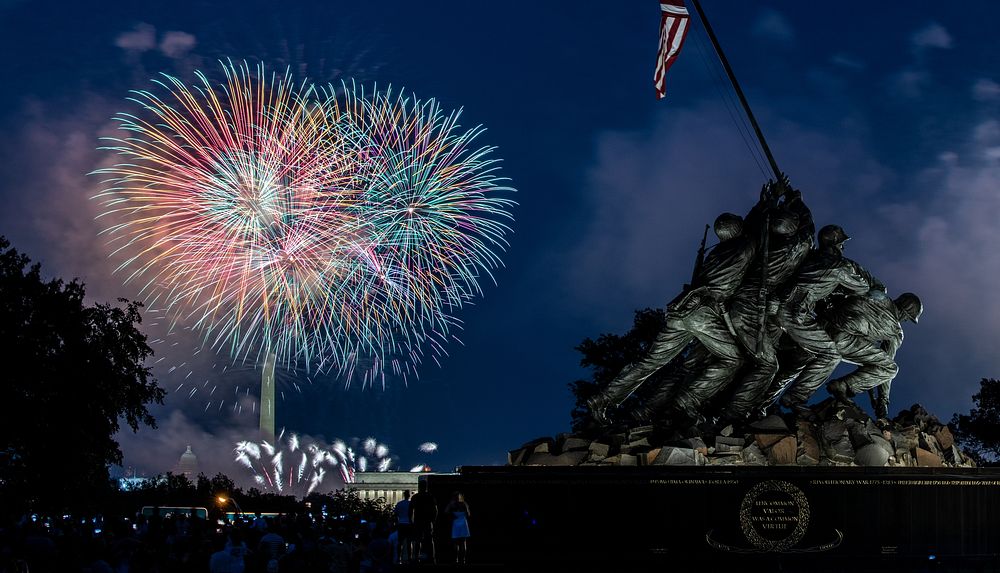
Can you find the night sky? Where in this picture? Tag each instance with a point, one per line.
(884, 115)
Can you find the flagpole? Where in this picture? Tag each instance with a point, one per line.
(739, 91)
(762, 293)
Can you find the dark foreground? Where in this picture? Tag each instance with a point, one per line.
(730, 519)
(651, 518)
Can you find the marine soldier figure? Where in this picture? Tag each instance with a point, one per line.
(867, 332)
(790, 243)
(695, 314)
(657, 399)
(824, 271)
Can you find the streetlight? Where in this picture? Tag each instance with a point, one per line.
(223, 499)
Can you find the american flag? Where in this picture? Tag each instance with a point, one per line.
(673, 30)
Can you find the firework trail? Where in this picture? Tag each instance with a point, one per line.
(201, 374)
(337, 228)
(286, 465)
(354, 461)
(291, 465)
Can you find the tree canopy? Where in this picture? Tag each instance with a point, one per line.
(979, 431)
(71, 373)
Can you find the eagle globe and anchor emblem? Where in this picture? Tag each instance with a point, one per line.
(774, 517)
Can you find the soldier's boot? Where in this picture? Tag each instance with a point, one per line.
(839, 390)
(881, 407)
(799, 408)
(734, 426)
(772, 408)
(641, 415)
(678, 419)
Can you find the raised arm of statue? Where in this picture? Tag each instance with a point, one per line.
(853, 278)
(892, 345)
(795, 205)
(870, 279)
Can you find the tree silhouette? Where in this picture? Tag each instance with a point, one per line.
(70, 374)
(348, 502)
(979, 431)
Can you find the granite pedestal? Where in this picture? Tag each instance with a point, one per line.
(662, 518)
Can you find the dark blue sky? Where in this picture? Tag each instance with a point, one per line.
(885, 117)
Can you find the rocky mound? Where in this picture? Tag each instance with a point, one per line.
(840, 435)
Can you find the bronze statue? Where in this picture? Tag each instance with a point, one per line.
(867, 332)
(697, 313)
(789, 244)
(824, 271)
(774, 314)
(656, 399)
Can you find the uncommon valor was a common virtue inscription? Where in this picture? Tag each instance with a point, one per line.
(774, 516)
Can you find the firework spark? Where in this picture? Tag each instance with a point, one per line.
(291, 465)
(336, 228)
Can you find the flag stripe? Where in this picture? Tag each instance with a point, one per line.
(679, 10)
(673, 30)
(675, 48)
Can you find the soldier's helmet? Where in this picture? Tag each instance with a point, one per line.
(831, 236)
(911, 306)
(784, 224)
(727, 226)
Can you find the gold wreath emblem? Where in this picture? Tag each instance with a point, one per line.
(801, 515)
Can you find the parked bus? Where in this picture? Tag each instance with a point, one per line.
(168, 511)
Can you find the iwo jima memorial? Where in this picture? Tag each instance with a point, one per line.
(707, 451)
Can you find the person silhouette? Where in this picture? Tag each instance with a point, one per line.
(423, 514)
(459, 512)
(403, 528)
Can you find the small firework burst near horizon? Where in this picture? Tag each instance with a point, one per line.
(293, 464)
(338, 228)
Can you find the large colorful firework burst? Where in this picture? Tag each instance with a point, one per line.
(336, 228)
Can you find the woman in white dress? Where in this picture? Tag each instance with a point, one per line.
(459, 511)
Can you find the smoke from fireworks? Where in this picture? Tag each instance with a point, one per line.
(337, 228)
(203, 375)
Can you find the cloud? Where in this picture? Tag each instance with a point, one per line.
(986, 133)
(908, 83)
(140, 39)
(152, 452)
(986, 90)
(52, 219)
(911, 81)
(954, 267)
(946, 157)
(651, 195)
(175, 44)
(933, 232)
(933, 35)
(773, 25)
(986, 137)
(51, 216)
(848, 62)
